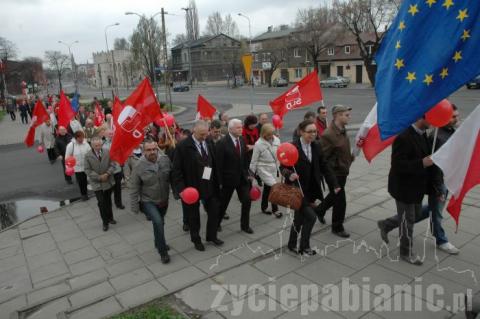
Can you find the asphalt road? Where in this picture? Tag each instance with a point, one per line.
(27, 174)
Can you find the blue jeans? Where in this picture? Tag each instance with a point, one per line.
(436, 207)
(157, 215)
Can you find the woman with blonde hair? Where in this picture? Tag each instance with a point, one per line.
(265, 165)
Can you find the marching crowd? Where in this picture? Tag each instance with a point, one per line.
(221, 156)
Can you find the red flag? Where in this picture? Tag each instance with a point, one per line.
(117, 109)
(368, 137)
(65, 111)
(459, 160)
(39, 116)
(204, 108)
(140, 109)
(99, 116)
(305, 92)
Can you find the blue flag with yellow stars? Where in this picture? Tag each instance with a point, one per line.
(431, 49)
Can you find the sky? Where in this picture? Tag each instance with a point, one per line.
(37, 25)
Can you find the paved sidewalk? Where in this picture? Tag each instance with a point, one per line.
(12, 132)
(62, 265)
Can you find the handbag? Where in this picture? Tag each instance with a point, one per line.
(286, 195)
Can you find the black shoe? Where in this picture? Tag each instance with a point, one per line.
(308, 251)
(383, 231)
(248, 230)
(186, 227)
(69, 182)
(147, 217)
(113, 221)
(199, 246)
(168, 247)
(120, 206)
(165, 259)
(412, 260)
(293, 250)
(320, 214)
(267, 212)
(105, 227)
(85, 198)
(341, 233)
(226, 217)
(216, 242)
(219, 229)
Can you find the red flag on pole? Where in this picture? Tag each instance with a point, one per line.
(39, 116)
(140, 109)
(99, 116)
(305, 92)
(117, 109)
(65, 111)
(204, 108)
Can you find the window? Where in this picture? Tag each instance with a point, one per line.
(331, 51)
(256, 57)
(185, 57)
(296, 53)
(299, 73)
(347, 49)
(306, 57)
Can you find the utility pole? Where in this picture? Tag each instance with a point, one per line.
(165, 55)
(190, 79)
(113, 60)
(101, 81)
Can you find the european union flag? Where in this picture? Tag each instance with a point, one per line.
(431, 49)
(75, 102)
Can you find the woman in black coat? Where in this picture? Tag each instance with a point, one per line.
(310, 170)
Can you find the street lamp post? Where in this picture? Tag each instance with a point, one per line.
(251, 67)
(113, 60)
(189, 52)
(74, 67)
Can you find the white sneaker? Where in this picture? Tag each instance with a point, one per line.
(449, 248)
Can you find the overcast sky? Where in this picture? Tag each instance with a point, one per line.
(37, 25)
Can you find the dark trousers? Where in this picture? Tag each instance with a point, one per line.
(104, 202)
(243, 192)
(157, 216)
(338, 202)
(24, 118)
(303, 222)
(67, 178)
(264, 204)
(184, 213)
(13, 116)
(117, 189)
(51, 154)
(193, 214)
(407, 215)
(81, 178)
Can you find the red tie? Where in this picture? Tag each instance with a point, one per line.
(237, 147)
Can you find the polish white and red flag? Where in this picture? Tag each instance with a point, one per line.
(459, 159)
(368, 137)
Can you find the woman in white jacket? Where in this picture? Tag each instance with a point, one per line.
(265, 164)
(78, 148)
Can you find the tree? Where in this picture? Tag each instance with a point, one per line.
(179, 39)
(121, 44)
(316, 31)
(191, 22)
(8, 50)
(216, 24)
(146, 45)
(277, 52)
(366, 20)
(58, 62)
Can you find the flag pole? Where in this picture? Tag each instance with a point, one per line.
(168, 132)
(435, 135)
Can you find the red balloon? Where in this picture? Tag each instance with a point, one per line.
(255, 193)
(170, 120)
(69, 171)
(70, 161)
(441, 114)
(40, 149)
(277, 121)
(159, 120)
(287, 154)
(190, 195)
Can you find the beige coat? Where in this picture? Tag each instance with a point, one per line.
(264, 160)
(94, 168)
(46, 135)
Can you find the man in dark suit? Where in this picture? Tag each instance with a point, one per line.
(232, 168)
(193, 165)
(412, 175)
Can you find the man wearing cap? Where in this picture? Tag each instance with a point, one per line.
(336, 148)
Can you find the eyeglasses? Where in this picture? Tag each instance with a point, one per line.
(311, 132)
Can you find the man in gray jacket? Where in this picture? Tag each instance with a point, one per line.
(99, 169)
(150, 185)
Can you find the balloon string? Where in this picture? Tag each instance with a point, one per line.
(434, 140)
(298, 181)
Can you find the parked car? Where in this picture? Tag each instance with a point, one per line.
(181, 88)
(334, 81)
(474, 83)
(280, 82)
(345, 79)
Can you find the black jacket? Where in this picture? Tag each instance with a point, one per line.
(311, 173)
(61, 143)
(188, 167)
(408, 180)
(232, 169)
